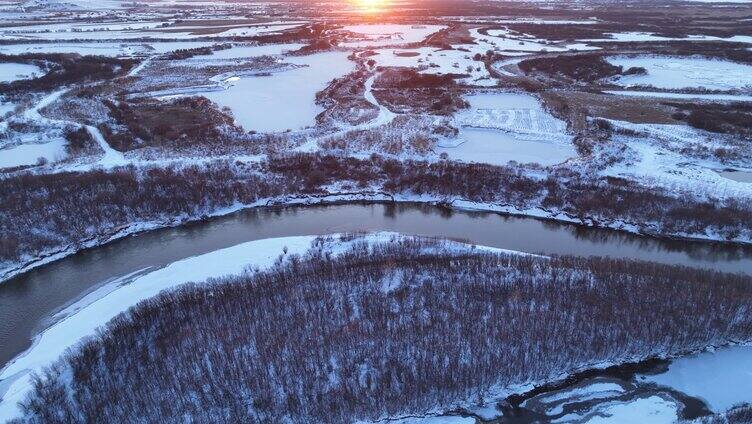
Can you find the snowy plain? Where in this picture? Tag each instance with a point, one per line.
(684, 72)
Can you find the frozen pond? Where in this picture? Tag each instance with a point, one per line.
(603, 399)
(30, 154)
(431, 60)
(496, 147)
(6, 108)
(18, 71)
(503, 127)
(684, 72)
(722, 378)
(284, 100)
(740, 176)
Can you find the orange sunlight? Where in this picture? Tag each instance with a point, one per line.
(371, 6)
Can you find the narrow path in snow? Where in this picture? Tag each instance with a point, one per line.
(111, 156)
(33, 113)
(135, 71)
(499, 66)
(385, 115)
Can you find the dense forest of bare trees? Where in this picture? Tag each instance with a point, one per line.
(381, 330)
(42, 213)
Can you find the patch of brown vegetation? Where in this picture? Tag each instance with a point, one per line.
(150, 122)
(577, 105)
(406, 90)
(455, 34)
(344, 100)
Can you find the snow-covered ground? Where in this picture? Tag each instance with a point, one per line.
(503, 127)
(153, 30)
(112, 49)
(461, 59)
(245, 51)
(684, 72)
(284, 100)
(80, 320)
(634, 36)
(506, 41)
(111, 156)
(664, 95)
(654, 157)
(722, 378)
(47, 146)
(17, 71)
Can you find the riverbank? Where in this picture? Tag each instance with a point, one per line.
(647, 230)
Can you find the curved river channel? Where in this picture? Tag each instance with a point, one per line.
(25, 301)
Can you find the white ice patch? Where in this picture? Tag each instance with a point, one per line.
(664, 95)
(642, 37)
(110, 49)
(651, 410)
(722, 378)
(284, 100)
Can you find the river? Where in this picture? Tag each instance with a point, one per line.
(25, 301)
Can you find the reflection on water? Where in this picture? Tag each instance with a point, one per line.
(27, 299)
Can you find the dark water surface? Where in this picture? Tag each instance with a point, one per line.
(27, 299)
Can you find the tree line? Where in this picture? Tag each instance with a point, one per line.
(41, 213)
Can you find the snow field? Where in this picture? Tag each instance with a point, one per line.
(684, 72)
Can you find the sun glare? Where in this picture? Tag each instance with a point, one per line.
(371, 5)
